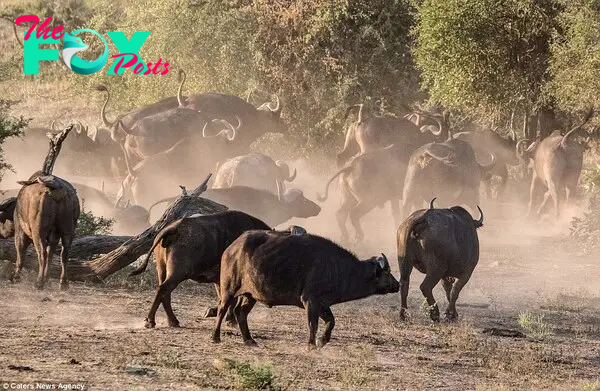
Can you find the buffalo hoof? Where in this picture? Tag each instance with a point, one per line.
(323, 341)
(311, 346)
(211, 312)
(434, 313)
(216, 338)
(404, 315)
(174, 324)
(450, 316)
(64, 286)
(149, 325)
(250, 342)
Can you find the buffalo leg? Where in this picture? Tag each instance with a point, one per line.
(313, 311)
(342, 213)
(211, 312)
(503, 174)
(535, 184)
(166, 303)
(431, 280)
(49, 255)
(226, 301)
(163, 289)
(451, 312)
(66, 241)
(355, 215)
(40, 249)
(329, 320)
(447, 284)
(242, 309)
(22, 242)
(405, 271)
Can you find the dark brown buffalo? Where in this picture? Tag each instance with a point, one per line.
(47, 211)
(487, 141)
(273, 209)
(448, 171)
(191, 249)
(257, 121)
(371, 132)
(128, 120)
(556, 161)
(368, 180)
(306, 271)
(442, 244)
(7, 216)
(253, 170)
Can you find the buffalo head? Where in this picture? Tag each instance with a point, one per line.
(269, 114)
(382, 275)
(299, 205)
(7, 211)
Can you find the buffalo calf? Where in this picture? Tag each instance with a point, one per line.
(306, 271)
(443, 244)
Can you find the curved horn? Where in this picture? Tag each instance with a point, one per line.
(517, 147)
(587, 117)
(440, 127)
(230, 132)
(282, 165)
(103, 111)
(81, 127)
(249, 96)
(431, 203)
(181, 77)
(479, 223)
(349, 109)
(52, 126)
(277, 108)
(490, 165)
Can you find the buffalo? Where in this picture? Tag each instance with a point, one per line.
(369, 180)
(373, 132)
(7, 212)
(486, 141)
(253, 170)
(47, 211)
(556, 161)
(273, 209)
(442, 244)
(257, 121)
(307, 271)
(191, 248)
(447, 170)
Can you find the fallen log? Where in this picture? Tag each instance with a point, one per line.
(122, 250)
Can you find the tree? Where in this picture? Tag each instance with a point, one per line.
(487, 56)
(9, 127)
(576, 56)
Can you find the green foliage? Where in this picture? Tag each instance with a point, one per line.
(587, 228)
(485, 55)
(318, 58)
(249, 377)
(9, 127)
(89, 225)
(576, 56)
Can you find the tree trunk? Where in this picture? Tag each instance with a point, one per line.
(532, 127)
(123, 250)
(547, 122)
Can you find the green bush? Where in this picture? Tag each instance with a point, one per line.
(89, 225)
(9, 127)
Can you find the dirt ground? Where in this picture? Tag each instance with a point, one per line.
(530, 280)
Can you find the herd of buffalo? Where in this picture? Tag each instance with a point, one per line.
(409, 160)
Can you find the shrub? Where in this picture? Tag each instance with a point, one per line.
(89, 225)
